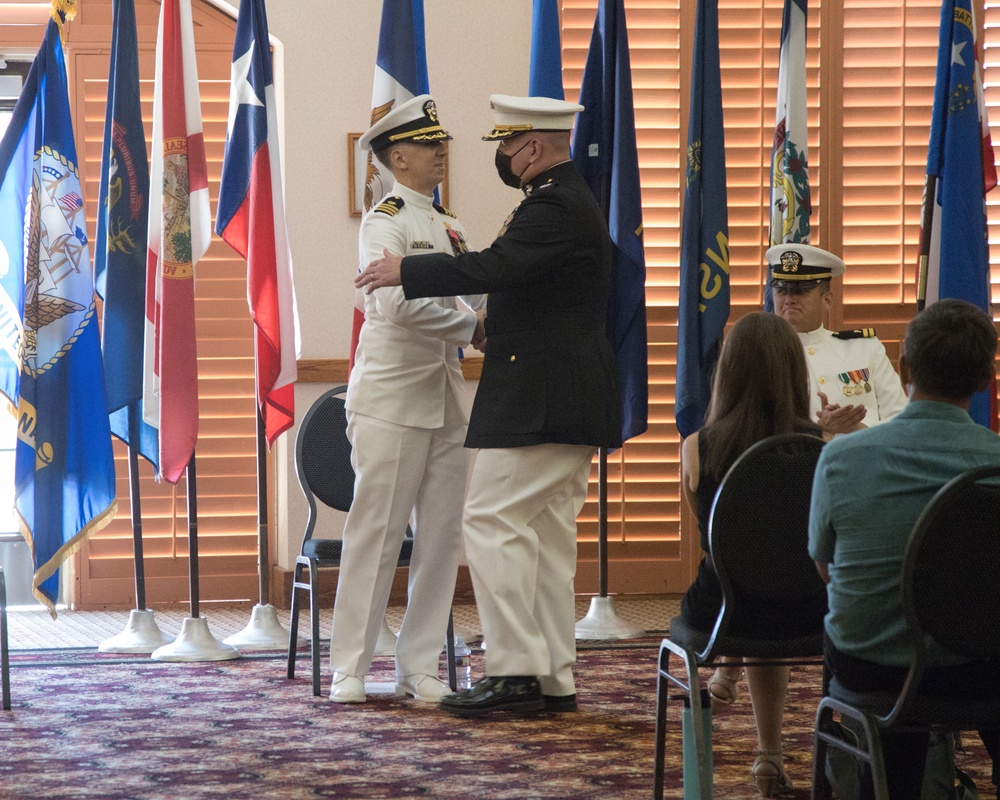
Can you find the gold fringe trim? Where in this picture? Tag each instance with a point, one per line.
(49, 567)
(62, 12)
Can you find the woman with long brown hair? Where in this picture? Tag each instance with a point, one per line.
(760, 389)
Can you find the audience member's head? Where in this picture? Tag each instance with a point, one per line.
(760, 387)
(949, 352)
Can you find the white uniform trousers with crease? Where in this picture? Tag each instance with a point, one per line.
(520, 540)
(399, 470)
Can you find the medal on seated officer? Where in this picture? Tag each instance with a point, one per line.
(853, 384)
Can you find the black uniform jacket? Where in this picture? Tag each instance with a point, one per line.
(549, 373)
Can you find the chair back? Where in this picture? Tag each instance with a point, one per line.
(323, 456)
(758, 528)
(951, 566)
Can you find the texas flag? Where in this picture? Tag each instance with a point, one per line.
(180, 230)
(251, 218)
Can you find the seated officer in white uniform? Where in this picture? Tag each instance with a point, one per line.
(853, 384)
(405, 424)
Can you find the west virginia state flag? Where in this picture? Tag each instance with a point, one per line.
(50, 350)
(251, 218)
(791, 203)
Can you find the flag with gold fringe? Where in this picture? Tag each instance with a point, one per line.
(50, 351)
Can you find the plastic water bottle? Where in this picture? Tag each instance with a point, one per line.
(463, 664)
(690, 756)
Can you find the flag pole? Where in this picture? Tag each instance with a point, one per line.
(141, 633)
(601, 620)
(263, 631)
(195, 642)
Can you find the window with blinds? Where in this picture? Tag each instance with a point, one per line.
(226, 449)
(870, 83)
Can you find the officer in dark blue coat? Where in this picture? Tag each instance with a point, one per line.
(547, 399)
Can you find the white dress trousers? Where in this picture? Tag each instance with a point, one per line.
(520, 541)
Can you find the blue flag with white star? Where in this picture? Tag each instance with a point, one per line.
(50, 350)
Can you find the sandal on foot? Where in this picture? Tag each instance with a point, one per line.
(723, 689)
(770, 776)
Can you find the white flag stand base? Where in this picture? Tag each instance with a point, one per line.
(195, 643)
(141, 635)
(263, 632)
(602, 622)
(386, 643)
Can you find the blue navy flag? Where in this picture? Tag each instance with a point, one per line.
(704, 276)
(605, 153)
(50, 349)
(960, 170)
(545, 70)
(120, 246)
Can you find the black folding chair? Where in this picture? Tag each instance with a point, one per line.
(949, 597)
(323, 464)
(4, 651)
(758, 536)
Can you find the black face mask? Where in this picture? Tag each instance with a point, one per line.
(504, 169)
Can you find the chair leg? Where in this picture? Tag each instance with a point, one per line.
(702, 746)
(293, 621)
(449, 651)
(660, 737)
(821, 788)
(4, 652)
(314, 621)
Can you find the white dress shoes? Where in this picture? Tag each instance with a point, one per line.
(424, 688)
(347, 689)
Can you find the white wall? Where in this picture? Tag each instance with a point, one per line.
(328, 48)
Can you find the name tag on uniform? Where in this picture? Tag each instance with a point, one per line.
(421, 245)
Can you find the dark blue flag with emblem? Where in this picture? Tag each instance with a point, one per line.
(545, 69)
(50, 349)
(703, 308)
(604, 151)
(120, 246)
(960, 170)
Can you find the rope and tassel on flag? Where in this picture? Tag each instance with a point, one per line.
(791, 203)
(704, 270)
(51, 369)
(960, 170)
(180, 230)
(251, 218)
(400, 75)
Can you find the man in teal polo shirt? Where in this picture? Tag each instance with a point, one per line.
(869, 489)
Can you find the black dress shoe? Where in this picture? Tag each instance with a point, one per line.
(560, 702)
(496, 693)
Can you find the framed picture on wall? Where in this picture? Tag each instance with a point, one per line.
(360, 164)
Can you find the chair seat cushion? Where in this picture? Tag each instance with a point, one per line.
(748, 647)
(331, 550)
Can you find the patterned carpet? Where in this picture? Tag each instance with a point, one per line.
(87, 724)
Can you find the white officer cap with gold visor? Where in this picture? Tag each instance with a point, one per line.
(513, 116)
(801, 267)
(416, 120)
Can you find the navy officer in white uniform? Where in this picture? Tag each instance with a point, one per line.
(547, 399)
(405, 423)
(853, 383)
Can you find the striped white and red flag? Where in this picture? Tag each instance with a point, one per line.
(180, 230)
